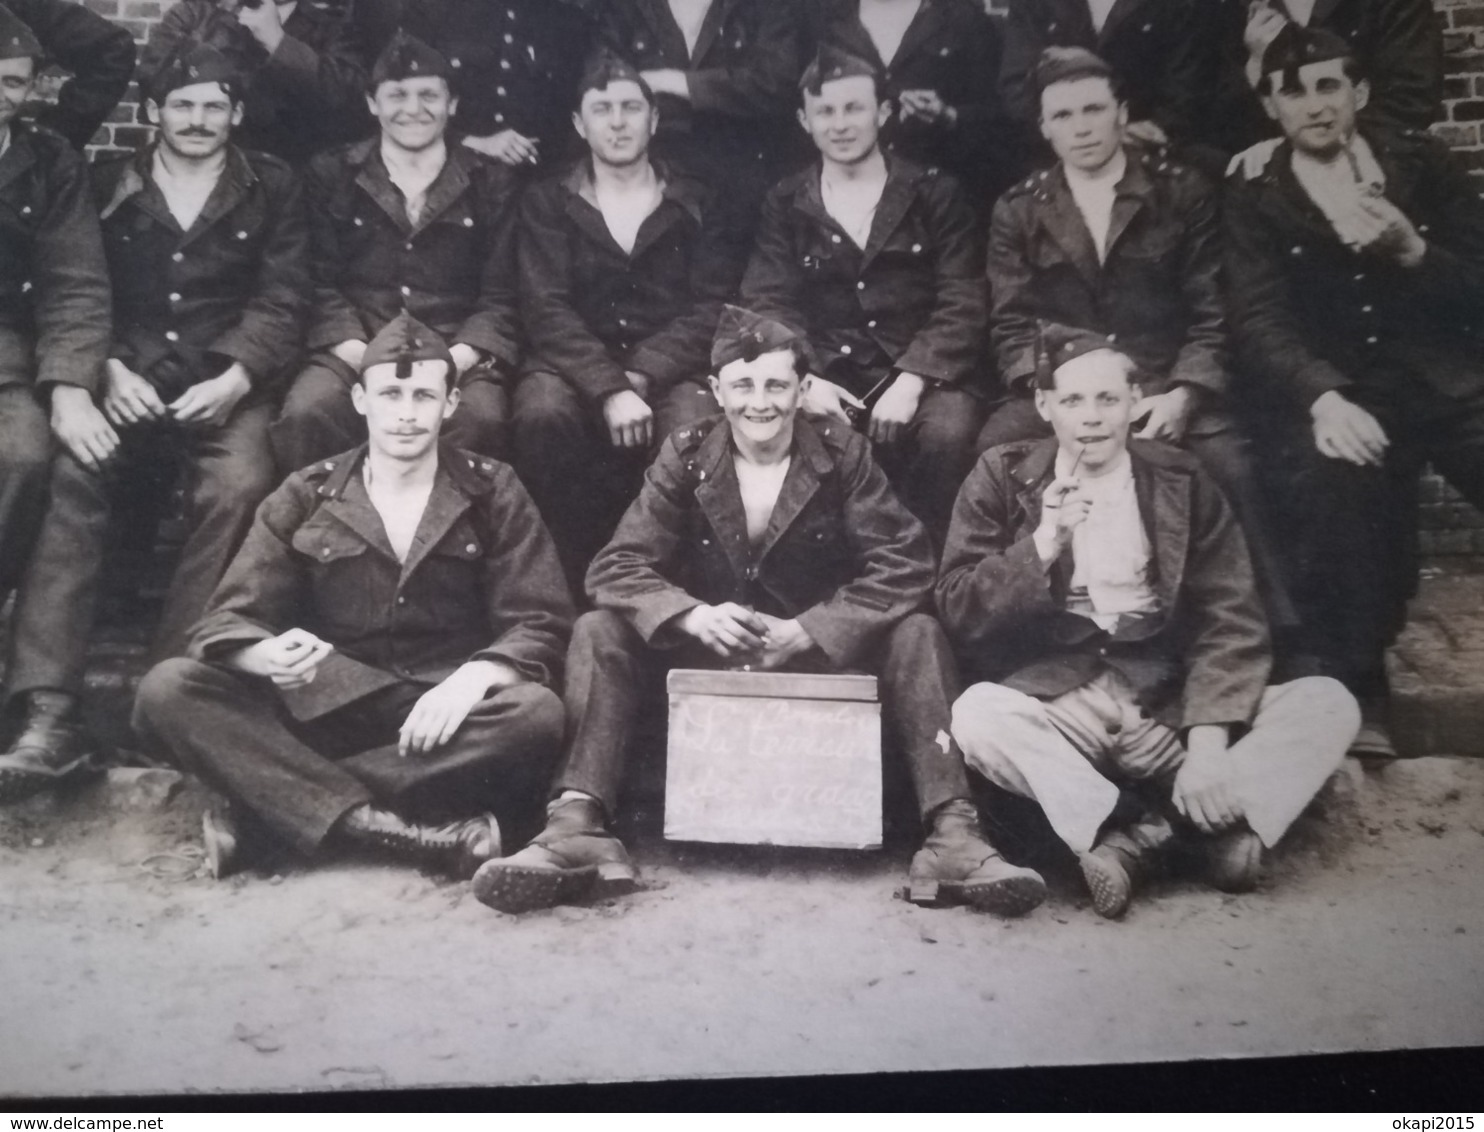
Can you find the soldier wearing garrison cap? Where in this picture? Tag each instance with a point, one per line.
(1355, 271)
(881, 263)
(407, 221)
(98, 54)
(54, 332)
(722, 563)
(206, 248)
(377, 668)
(301, 66)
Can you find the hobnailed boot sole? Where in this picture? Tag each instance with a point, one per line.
(514, 889)
(1003, 896)
(1235, 864)
(19, 783)
(1111, 886)
(221, 844)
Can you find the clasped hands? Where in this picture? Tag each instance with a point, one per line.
(737, 633)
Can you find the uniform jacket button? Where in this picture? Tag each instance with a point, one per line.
(178, 256)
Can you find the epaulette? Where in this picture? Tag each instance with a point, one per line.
(1030, 185)
(690, 437)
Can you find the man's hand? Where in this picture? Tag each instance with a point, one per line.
(826, 399)
(1151, 133)
(82, 429)
(1063, 510)
(289, 659)
(1254, 159)
(211, 402)
(441, 710)
(630, 421)
(1345, 431)
(1201, 792)
(729, 630)
(508, 147)
(351, 351)
(1378, 226)
(927, 105)
(128, 398)
(668, 80)
(465, 357)
(896, 407)
(783, 641)
(1166, 415)
(265, 22)
(1264, 22)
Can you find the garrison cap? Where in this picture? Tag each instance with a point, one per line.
(831, 63)
(404, 340)
(603, 68)
(194, 61)
(17, 40)
(1058, 344)
(1065, 64)
(1296, 47)
(407, 57)
(745, 336)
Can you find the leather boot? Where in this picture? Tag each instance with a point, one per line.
(1233, 859)
(51, 746)
(573, 857)
(1119, 862)
(956, 865)
(456, 849)
(221, 839)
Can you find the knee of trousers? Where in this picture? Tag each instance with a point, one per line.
(915, 638)
(604, 635)
(538, 711)
(164, 691)
(315, 393)
(1013, 421)
(25, 459)
(1322, 697)
(235, 488)
(983, 707)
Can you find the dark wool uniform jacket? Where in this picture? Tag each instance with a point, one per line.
(913, 299)
(481, 582)
(454, 270)
(841, 554)
(1309, 314)
(308, 95)
(592, 311)
(98, 53)
(1398, 43)
(1203, 658)
(1159, 51)
(951, 47)
(1157, 292)
(54, 292)
(234, 288)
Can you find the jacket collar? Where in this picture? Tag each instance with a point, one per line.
(448, 186)
(137, 186)
(902, 179)
(1075, 14)
(664, 29)
(845, 24)
(1386, 145)
(1063, 220)
(19, 156)
(581, 205)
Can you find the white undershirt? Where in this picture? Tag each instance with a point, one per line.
(185, 196)
(886, 22)
(760, 485)
(1110, 548)
(690, 15)
(626, 207)
(1302, 11)
(401, 509)
(1095, 194)
(852, 202)
(1099, 10)
(414, 174)
(4, 138)
(1336, 187)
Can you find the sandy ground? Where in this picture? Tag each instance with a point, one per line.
(126, 972)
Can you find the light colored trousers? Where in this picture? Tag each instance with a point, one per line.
(1069, 754)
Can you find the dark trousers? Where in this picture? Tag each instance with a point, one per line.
(301, 778)
(1224, 452)
(610, 672)
(318, 420)
(229, 472)
(930, 462)
(1351, 532)
(25, 467)
(580, 482)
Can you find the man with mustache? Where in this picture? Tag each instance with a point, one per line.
(759, 539)
(207, 251)
(375, 670)
(406, 221)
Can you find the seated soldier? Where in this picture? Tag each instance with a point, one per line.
(1356, 273)
(301, 62)
(625, 263)
(758, 540)
(97, 53)
(1101, 590)
(206, 248)
(376, 667)
(406, 222)
(1118, 239)
(54, 335)
(880, 263)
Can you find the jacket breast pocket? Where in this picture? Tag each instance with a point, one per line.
(324, 544)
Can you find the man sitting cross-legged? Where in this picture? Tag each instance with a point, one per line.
(759, 539)
(1102, 590)
(379, 657)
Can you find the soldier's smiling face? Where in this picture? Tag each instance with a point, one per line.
(413, 112)
(1316, 105)
(845, 118)
(17, 77)
(1090, 407)
(195, 121)
(403, 414)
(760, 397)
(617, 122)
(1084, 121)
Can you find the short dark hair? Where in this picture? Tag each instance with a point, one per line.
(802, 362)
(608, 72)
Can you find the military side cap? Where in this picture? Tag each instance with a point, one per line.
(1065, 64)
(17, 40)
(404, 341)
(1058, 344)
(193, 62)
(407, 57)
(1296, 47)
(831, 63)
(742, 335)
(604, 67)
